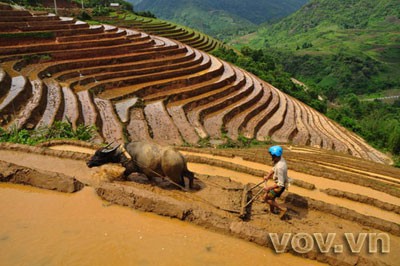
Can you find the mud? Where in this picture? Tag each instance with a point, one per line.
(240, 168)
(216, 202)
(345, 213)
(222, 193)
(364, 199)
(188, 207)
(256, 160)
(354, 206)
(42, 179)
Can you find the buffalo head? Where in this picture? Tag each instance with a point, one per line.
(103, 156)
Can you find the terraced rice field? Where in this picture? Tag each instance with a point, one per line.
(137, 86)
(133, 85)
(330, 193)
(165, 29)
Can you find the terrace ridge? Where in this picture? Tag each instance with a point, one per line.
(133, 84)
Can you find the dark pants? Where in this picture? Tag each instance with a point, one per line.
(275, 193)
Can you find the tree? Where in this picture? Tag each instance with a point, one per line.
(394, 140)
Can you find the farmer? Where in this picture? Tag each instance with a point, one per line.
(279, 175)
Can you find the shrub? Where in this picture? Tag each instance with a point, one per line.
(396, 162)
(84, 16)
(147, 14)
(101, 11)
(241, 142)
(59, 130)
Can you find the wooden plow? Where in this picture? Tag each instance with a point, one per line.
(229, 196)
(247, 199)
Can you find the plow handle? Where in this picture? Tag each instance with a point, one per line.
(256, 185)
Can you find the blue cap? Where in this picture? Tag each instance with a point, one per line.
(276, 151)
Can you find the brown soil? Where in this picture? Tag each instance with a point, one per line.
(42, 179)
(217, 200)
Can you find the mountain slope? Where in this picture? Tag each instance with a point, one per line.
(329, 26)
(355, 42)
(342, 48)
(135, 86)
(219, 18)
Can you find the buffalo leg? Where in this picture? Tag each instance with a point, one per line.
(182, 183)
(189, 175)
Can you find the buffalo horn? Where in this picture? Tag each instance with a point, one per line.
(108, 145)
(104, 150)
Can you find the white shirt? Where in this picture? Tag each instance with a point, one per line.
(280, 173)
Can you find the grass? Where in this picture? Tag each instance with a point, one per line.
(37, 57)
(93, 22)
(59, 130)
(227, 143)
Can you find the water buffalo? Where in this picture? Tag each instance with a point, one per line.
(147, 158)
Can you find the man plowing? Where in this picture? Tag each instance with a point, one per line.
(280, 177)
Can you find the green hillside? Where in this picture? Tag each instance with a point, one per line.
(344, 51)
(221, 18)
(356, 38)
(331, 26)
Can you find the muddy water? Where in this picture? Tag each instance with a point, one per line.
(123, 107)
(44, 227)
(17, 85)
(39, 227)
(73, 149)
